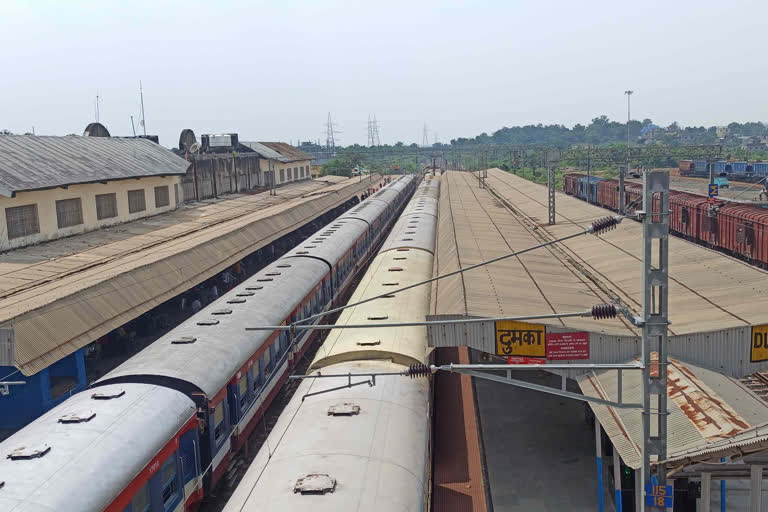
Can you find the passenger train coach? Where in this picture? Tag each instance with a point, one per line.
(160, 429)
(361, 447)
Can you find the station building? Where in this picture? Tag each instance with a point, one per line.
(52, 187)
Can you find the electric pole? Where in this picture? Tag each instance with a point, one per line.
(626, 167)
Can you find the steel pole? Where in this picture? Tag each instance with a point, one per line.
(617, 478)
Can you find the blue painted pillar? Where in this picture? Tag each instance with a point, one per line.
(722, 491)
(80, 362)
(599, 451)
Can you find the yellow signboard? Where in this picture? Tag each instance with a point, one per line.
(759, 346)
(520, 339)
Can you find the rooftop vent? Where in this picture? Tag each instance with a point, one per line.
(378, 317)
(236, 301)
(315, 483)
(264, 279)
(284, 265)
(395, 269)
(253, 288)
(249, 294)
(368, 343)
(222, 311)
(77, 417)
(29, 452)
(208, 322)
(304, 252)
(390, 284)
(108, 395)
(273, 273)
(183, 340)
(344, 409)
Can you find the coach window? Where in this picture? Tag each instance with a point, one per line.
(267, 359)
(255, 378)
(218, 421)
(170, 483)
(243, 386)
(140, 502)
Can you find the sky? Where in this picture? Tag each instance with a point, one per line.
(272, 71)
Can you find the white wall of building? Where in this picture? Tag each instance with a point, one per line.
(45, 200)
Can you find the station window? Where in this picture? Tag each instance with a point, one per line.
(140, 501)
(162, 196)
(290, 174)
(218, 421)
(106, 206)
(136, 201)
(69, 212)
(282, 175)
(170, 482)
(243, 386)
(22, 221)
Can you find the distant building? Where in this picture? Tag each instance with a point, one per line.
(288, 162)
(755, 143)
(52, 187)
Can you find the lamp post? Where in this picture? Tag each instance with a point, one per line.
(626, 167)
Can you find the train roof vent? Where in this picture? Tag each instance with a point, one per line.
(403, 249)
(304, 252)
(183, 340)
(208, 322)
(273, 273)
(249, 294)
(395, 269)
(253, 288)
(76, 417)
(264, 279)
(284, 265)
(378, 317)
(108, 395)
(222, 311)
(310, 246)
(406, 239)
(344, 409)
(400, 258)
(29, 452)
(410, 232)
(390, 284)
(236, 300)
(315, 483)
(369, 343)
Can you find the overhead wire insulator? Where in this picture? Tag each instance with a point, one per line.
(605, 224)
(603, 311)
(415, 371)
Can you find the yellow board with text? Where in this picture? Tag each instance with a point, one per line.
(520, 339)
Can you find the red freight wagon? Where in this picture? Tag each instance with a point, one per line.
(608, 194)
(571, 183)
(744, 232)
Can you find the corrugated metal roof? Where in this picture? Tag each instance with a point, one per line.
(279, 151)
(705, 409)
(61, 296)
(29, 162)
(474, 226)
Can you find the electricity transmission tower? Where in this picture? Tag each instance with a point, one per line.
(373, 132)
(425, 139)
(330, 130)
